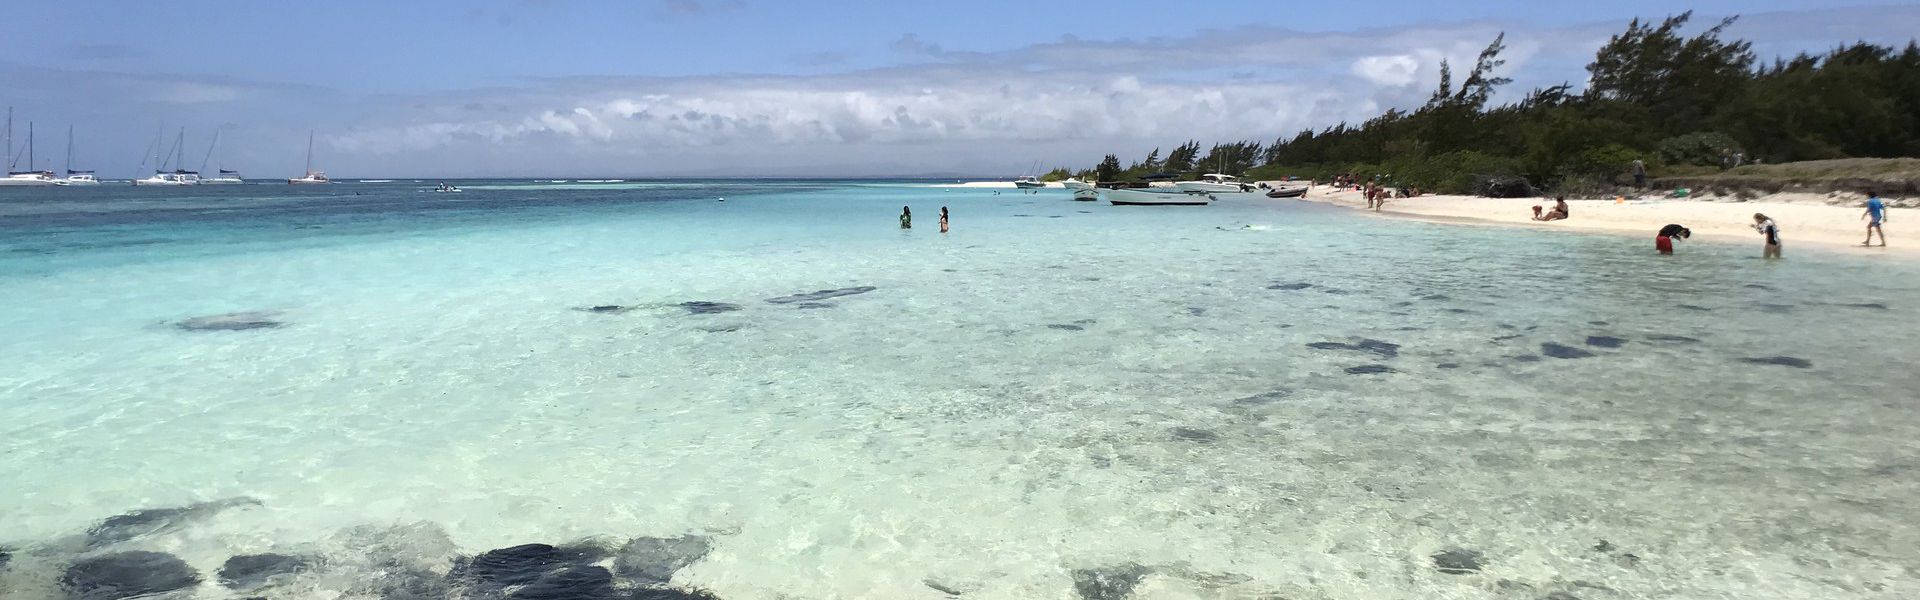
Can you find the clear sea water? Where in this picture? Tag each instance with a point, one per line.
(1255, 399)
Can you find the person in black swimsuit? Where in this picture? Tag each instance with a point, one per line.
(1559, 211)
(906, 218)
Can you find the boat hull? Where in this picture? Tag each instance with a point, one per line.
(1076, 185)
(1128, 197)
(11, 182)
(1292, 192)
(223, 182)
(1029, 185)
(1207, 187)
(1086, 195)
(308, 181)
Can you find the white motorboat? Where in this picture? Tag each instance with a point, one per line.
(1155, 197)
(312, 177)
(78, 178)
(29, 177)
(1029, 182)
(445, 188)
(1074, 183)
(1087, 194)
(1213, 183)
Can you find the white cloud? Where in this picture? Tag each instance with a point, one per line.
(1397, 70)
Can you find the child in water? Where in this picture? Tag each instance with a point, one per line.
(906, 218)
(1663, 241)
(943, 219)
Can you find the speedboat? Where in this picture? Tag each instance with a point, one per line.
(1287, 191)
(1156, 197)
(1213, 183)
(1074, 183)
(1087, 194)
(1029, 182)
(444, 188)
(224, 177)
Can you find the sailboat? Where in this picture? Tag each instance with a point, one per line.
(163, 177)
(75, 177)
(223, 177)
(29, 177)
(1030, 182)
(313, 177)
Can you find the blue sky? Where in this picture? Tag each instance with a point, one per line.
(758, 87)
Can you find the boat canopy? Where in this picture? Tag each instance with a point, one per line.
(73, 172)
(1159, 176)
(1218, 177)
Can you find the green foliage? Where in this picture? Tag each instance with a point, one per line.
(1109, 169)
(1057, 174)
(1656, 93)
(1699, 149)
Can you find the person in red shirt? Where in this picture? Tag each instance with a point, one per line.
(1663, 241)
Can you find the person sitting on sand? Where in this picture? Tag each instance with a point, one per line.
(1663, 241)
(906, 218)
(1877, 211)
(1560, 211)
(1771, 231)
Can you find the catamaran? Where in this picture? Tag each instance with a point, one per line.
(312, 177)
(29, 177)
(161, 176)
(75, 177)
(222, 176)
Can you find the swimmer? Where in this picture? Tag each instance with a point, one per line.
(906, 218)
(1663, 241)
(1771, 231)
(943, 219)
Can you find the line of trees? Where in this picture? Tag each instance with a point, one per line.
(1679, 103)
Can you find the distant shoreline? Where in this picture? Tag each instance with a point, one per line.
(1824, 227)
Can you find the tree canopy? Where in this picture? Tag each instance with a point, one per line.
(1654, 93)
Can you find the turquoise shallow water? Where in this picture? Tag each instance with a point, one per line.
(1309, 408)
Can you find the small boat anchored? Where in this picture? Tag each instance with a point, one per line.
(222, 176)
(1156, 197)
(1213, 183)
(29, 177)
(312, 177)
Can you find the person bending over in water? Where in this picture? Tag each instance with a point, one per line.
(1663, 241)
(1877, 211)
(906, 218)
(1559, 211)
(943, 219)
(1771, 231)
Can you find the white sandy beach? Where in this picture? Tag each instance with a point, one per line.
(1803, 223)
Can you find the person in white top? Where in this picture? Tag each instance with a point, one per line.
(1771, 231)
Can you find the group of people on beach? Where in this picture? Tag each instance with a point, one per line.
(1769, 230)
(906, 218)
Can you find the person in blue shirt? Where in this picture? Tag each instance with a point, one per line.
(1877, 213)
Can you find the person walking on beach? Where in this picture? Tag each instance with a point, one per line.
(1771, 231)
(1663, 241)
(1639, 174)
(943, 219)
(906, 218)
(1877, 212)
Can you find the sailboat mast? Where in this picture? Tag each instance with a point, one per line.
(309, 153)
(9, 138)
(69, 149)
(29, 145)
(210, 147)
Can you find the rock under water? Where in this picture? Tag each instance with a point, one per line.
(1195, 435)
(1784, 361)
(1109, 583)
(1369, 370)
(120, 528)
(1384, 349)
(517, 565)
(607, 309)
(574, 582)
(251, 571)
(1563, 351)
(702, 307)
(819, 295)
(127, 575)
(239, 321)
(1289, 286)
(1604, 341)
(1458, 561)
(657, 559)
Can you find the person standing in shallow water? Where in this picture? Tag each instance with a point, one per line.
(1663, 241)
(1771, 231)
(943, 219)
(906, 218)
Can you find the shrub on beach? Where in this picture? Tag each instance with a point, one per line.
(1700, 148)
